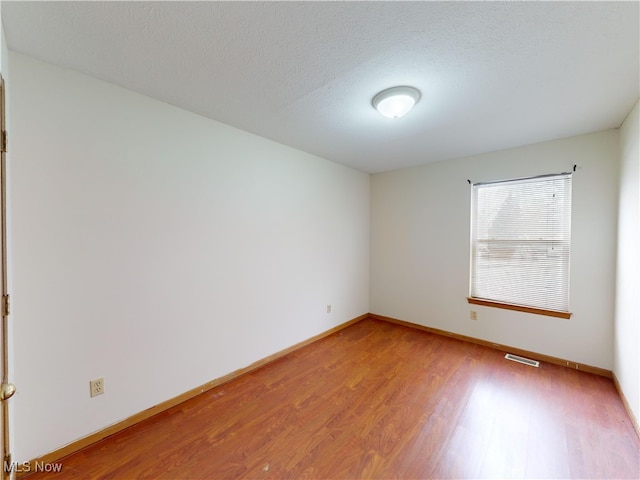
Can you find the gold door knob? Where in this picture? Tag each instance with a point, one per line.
(7, 391)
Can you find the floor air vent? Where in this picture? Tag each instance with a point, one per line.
(526, 361)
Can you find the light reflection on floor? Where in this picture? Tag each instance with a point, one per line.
(505, 432)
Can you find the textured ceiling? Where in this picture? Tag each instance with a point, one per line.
(492, 75)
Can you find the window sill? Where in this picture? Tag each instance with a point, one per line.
(519, 308)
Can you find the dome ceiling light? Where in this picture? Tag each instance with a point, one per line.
(395, 102)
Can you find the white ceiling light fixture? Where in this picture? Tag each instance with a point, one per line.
(395, 102)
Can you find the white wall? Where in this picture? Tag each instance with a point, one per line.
(4, 52)
(161, 250)
(420, 247)
(627, 329)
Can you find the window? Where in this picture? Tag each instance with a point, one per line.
(521, 244)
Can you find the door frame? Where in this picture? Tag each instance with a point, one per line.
(7, 389)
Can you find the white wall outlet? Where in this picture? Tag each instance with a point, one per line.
(473, 315)
(328, 308)
(96, 387)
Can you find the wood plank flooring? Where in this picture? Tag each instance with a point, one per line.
(378, 400)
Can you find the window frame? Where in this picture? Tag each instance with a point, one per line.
(500, 303)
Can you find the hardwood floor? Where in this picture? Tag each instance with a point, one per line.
(378, 400)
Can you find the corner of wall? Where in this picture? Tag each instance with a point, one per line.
(626, 329)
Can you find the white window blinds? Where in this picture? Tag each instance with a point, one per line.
(520, 242)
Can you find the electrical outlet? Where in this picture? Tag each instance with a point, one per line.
(328, 308)
(473, 315)
(96, 387)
